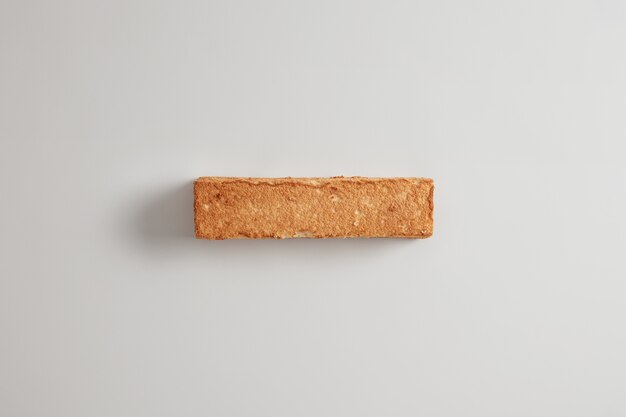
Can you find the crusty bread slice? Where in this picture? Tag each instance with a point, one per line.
(230, 207)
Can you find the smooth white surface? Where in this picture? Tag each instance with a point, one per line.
(109, 307)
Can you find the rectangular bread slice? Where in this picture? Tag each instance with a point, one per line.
(337, 207)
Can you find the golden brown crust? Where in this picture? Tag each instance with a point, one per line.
(232, 207)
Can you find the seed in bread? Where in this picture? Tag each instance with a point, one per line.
(337, 207)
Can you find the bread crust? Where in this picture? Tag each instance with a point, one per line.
(336, 207)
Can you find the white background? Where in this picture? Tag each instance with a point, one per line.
(110, 307)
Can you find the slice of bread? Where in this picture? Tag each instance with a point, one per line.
(337, 207)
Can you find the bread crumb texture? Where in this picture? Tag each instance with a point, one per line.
(337, 207)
